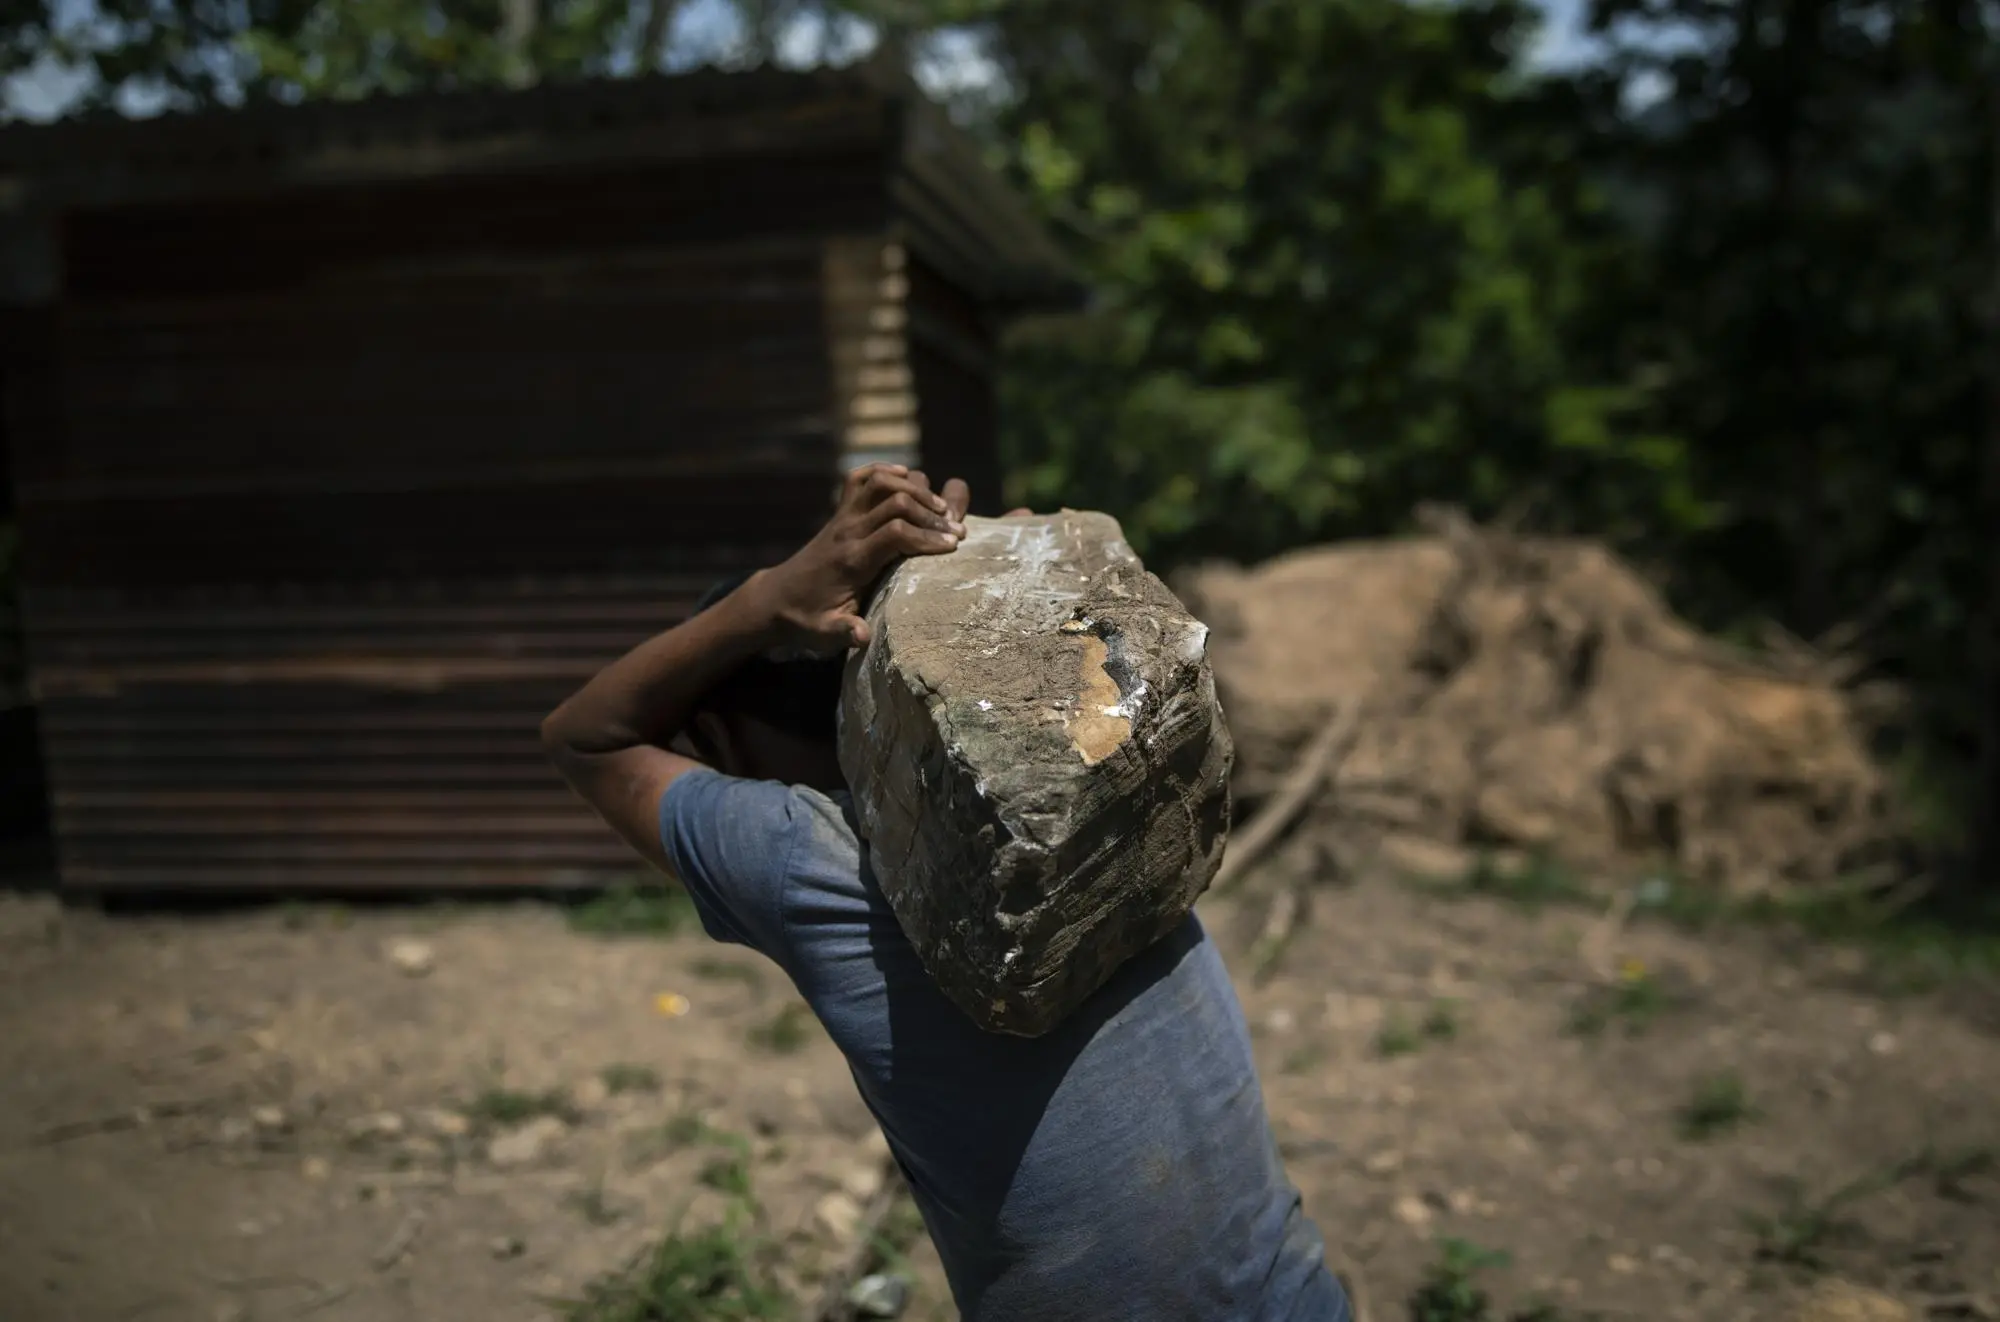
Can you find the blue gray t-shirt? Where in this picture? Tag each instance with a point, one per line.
(1119, 1167)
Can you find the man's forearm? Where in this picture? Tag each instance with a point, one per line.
(648, 696)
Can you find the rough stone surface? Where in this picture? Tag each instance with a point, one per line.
(1038, 761)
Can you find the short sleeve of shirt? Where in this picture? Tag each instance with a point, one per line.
(730, 842)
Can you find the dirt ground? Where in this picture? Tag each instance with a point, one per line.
(328, 1112)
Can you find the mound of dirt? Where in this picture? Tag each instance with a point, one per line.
(1536, 694)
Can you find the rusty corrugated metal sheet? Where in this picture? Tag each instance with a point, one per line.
(338, 739)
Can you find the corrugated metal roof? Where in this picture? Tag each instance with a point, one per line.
(954, 211)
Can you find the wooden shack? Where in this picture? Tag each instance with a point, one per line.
(347, 438)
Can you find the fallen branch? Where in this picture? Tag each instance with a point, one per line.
(1292, 796)
(119, 1121)
(401, 1241)
(1281, 924)
(832, 1305)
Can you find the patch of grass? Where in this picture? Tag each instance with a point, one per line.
(715, 1275)
(1450, 1289)
(1303, 1059)
(1536, 883)
(684, 1130)
(635, 910)
(503, 1108)
(787, 1031)
(727, 1172)
(1801, 1229)
(729, 970)
(1634, 1001)
(1719, 1104)
(622, 1077)
(1399, 1037)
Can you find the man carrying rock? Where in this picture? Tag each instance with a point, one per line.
(1119, 1166)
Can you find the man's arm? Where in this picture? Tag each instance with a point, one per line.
(609, 740)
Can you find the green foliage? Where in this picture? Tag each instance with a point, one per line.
(1718, 1105)
(622, 1077)
(499, 1107)
(635, 910)
(1634, 1001)
(727, 1172)
(1533, 883)
(1398, 1037)
(1449, 1291)
(786, 1031)
(712, 1275)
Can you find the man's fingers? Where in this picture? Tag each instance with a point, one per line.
(896, 539)
(911, 509)
(1022, 513)
(957, 498)
(883, 484)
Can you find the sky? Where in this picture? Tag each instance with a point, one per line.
(954, 63)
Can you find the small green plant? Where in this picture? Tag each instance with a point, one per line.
(727, 1172)
(1449, 1290)
(1398, 1037)
(729, 970)
(715, 1275)
(786, 1031)
(1536, 883)
(1303, 1059)
(623, 1078)
(1719, 1104)
(683, 1130)
(499, 1107)
(634, 910)
(1440, 1023)
(1634, 1001)
(1802, 1228)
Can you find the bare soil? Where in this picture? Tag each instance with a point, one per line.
(261, 1114)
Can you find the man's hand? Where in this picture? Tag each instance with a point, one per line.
(886, 512)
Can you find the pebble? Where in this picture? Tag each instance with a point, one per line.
(316, 1168)
(412, 958)
(444, 1124)
(382, 1124)
(591, 1093)
(861, 1181)
(235, 1129)
(271, 1119)
(840, 1214)
(1883, 1044)
(1621, 1264)
(1281, 1020)
(1461, 1201)
(527, 1145)
(1385, 1162)
(504, 1247)
(880, 1296)
(1412, 1211)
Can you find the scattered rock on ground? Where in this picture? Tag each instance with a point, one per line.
(411, 957)
(1835, 1300)
(526, 1146)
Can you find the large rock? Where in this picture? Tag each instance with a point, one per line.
(1038, 762)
